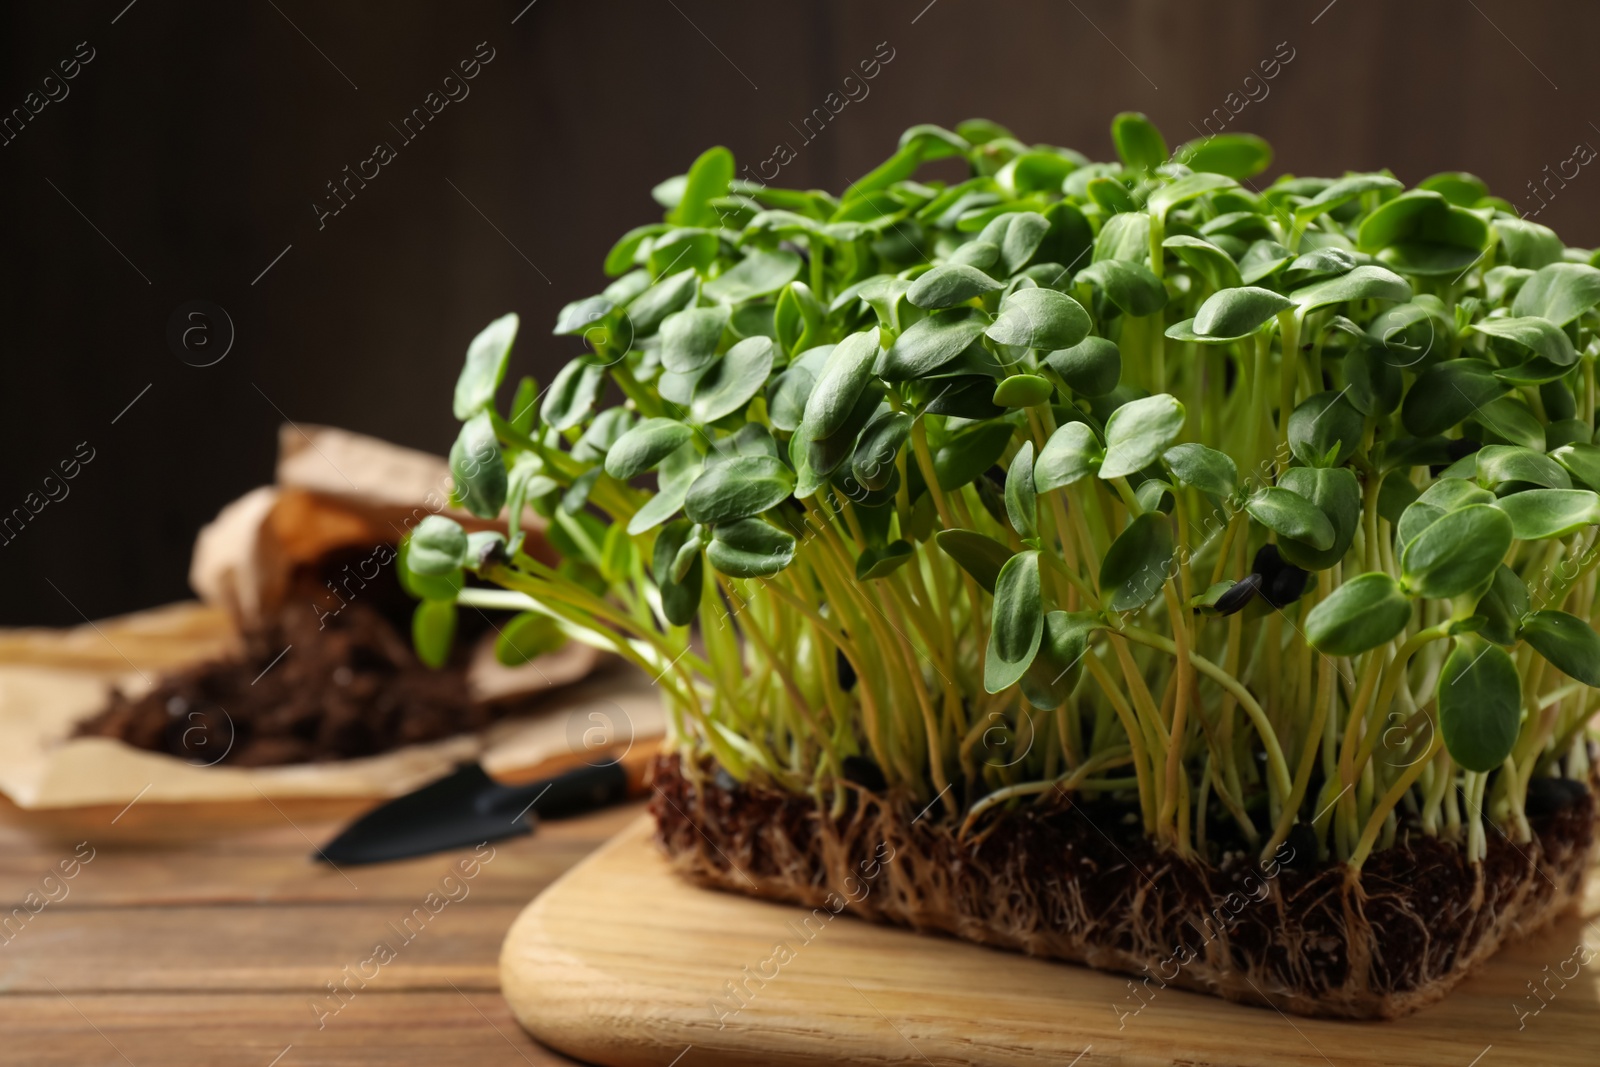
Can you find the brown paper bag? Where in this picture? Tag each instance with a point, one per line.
(335, 491)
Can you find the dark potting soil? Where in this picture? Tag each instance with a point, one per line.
(331, 677)
(1081, 882)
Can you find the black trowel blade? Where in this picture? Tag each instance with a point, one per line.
(455, 812)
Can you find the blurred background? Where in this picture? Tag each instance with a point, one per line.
(177, 277)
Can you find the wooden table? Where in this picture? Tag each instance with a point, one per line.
(211, 941)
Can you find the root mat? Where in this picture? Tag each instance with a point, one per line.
(621, 963)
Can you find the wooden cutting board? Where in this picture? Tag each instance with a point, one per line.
(623, 964)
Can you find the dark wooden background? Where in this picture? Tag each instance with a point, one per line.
(189, 151)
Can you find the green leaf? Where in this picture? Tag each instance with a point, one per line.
(1111, 195)
(1091, 368)
(485, 367)
(1017, 624)
(1498, 465)
(969, 452)
(689, 338)
(623, 253)
(1071, 453)
(672, 293)
(1566, 641)
(759, 273)
(1237, 155)
(1139, 432)
(1395, 495)
(433, 631)
(1125, 235)
(1054, 672)
(1263, 260)
(1509, 419)
(693, 248)
(644, 447)
(707, 180)
(980, 556)
(1018, 235)
(1538, 514)
(1318, 265)
(1542, 338)
(438, 547)
(573, 394)
(873, 462)
(1342, 192)
(578, 315)
(1480, 704)
(1039, 318)
(1373, 384)
(1288, 514)
(1527, 244)
(840, 386)
(1456, 186)
(680, 598)
(1453, 494)
(738, 488)
(950, 284)
(678, 472)
(526, 637)
(1210, 262)
(1419, 232)
(1359, 615)
(1337, 494)
(788, 391)
(1166, 197)
(1213, 473)
(1130, 286)
(1230, 314)
(798, 317)
(1325, 430)
(880, 561)
(932, 342)
(1582, 461)
(1458, 553)
(1504, 606)
(1022, 391)
(1367, 282)
(1135, 566)
(1139, 143)
(1021, 497)
(1448, 392)
(750, 548)
(731, 382)
(824, 455)
(1558, 293)
(477, 469)
(484, 546)
(598, 437)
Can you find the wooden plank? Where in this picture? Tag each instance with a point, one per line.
(289, 947)
(210, 1029)
(594, 974)
(271, 864)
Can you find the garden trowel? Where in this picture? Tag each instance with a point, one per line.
(467, 807)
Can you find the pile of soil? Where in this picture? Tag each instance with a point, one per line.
(315, 684)
(1080, 882)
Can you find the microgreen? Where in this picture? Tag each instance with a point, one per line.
(1283, 497)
